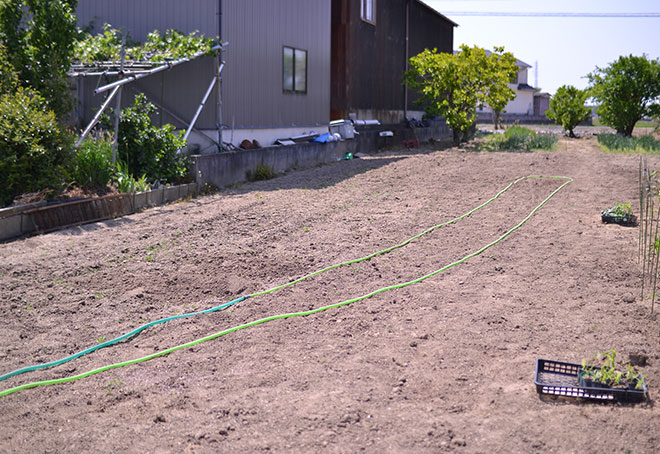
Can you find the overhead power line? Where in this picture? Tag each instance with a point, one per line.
(541, 14)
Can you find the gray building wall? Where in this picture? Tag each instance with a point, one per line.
(141, 17)
(256, 31)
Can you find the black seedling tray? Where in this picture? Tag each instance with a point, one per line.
(555, 378)
(621, 219)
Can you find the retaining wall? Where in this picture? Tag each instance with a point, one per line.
(227, 168)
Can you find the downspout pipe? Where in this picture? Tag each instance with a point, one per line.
(407, 54)
(219, 78)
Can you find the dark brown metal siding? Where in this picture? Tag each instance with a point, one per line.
(368, 60)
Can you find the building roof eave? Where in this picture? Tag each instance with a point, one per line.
(433, 10)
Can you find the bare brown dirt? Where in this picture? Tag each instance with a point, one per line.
(443, 365)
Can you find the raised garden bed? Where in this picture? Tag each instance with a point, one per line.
(41, 217)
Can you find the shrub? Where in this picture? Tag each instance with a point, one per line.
(32, 147)
(567, 108)
(147, 149)
(627, 91)
(39, 36)
(91, 166)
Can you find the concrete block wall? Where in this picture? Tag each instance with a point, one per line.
(227, 168)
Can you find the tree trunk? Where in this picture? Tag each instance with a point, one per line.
(457, 136)
(497, 119)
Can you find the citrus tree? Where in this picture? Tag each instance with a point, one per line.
(453, 85)
(627, 90)
(567, 108)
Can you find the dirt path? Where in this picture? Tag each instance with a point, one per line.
(443, 365)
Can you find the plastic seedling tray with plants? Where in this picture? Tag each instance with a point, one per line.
(621, 214)
(596, 379)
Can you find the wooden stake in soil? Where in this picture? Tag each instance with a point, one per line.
(656, 250)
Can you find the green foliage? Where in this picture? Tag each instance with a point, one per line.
(126, 183)
(621, 209)
(147, 149)
(39, 36)
(8, 76)
(567, 108)
(517, 138)
(453, 85)
(641, 144)
(91, 166)
(171, 45)
(32, 148)
(262, 172)
(627, 90)
(602, 369)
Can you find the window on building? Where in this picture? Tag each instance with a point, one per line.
(294, 72)
(368, 11)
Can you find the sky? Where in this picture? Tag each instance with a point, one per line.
(565, 49)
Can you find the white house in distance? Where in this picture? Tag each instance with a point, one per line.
(529, 101)
(523, 103)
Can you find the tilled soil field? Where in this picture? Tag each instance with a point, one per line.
(446, 364)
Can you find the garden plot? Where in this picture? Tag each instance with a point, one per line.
(445, 364)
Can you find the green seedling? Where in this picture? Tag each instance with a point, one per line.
(100, 339)
(113, 384)
(602, 369)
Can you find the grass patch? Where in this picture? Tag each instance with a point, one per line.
(517, 138)
(262, 172)
(640, 124)
(618, 143)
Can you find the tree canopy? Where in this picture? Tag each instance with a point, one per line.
(453, 85)
(627, 90)
(39, 36)
(567, 108)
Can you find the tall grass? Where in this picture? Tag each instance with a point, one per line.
(618, 143)
(91, 166)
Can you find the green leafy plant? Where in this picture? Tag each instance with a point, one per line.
(517, 138)
(627, 90)
(126, 183)
(453, 85)
(602, 369)
(33, 150)
(567, 108)
(171, 45)
(622, 209)
(147, 149)
(39, 36)
(91, 165)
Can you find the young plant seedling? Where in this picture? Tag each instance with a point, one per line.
(601, 369)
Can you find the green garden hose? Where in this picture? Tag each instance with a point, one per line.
(139, 329)
(320, 309)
